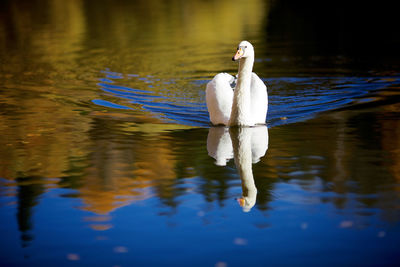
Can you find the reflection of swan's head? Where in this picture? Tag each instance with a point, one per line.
(245, 49)
(247, 202)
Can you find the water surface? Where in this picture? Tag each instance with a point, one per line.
(107, 156)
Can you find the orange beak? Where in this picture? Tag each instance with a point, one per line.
(238, 55)
(241, 201)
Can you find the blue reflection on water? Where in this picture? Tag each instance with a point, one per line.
(108, 104)
(184, 234)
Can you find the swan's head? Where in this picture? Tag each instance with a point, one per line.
(245, 49)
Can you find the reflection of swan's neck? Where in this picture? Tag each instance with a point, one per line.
(240, 114)
(241, 138)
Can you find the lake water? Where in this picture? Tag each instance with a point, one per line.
(107, 156)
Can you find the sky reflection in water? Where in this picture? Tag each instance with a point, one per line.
(107, 156)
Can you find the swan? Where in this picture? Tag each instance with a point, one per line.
(243, 104)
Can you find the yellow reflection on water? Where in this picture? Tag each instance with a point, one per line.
(52, 58)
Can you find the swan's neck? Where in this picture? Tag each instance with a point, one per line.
(240, 114)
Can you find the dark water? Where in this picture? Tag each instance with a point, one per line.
(107, 157)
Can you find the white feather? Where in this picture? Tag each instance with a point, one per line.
(219, 97)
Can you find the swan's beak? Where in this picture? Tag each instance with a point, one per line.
(239, 54)
(241, 201)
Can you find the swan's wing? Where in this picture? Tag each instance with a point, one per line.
(259, 99)
(219, 97)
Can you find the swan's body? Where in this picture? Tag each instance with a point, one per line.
(247, 104)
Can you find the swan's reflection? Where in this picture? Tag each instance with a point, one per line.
(247, 145)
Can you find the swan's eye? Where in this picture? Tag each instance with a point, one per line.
(245, 46)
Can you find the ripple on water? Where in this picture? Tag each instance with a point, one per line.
(291, 99)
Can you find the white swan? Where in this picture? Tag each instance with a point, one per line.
(247, 105)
